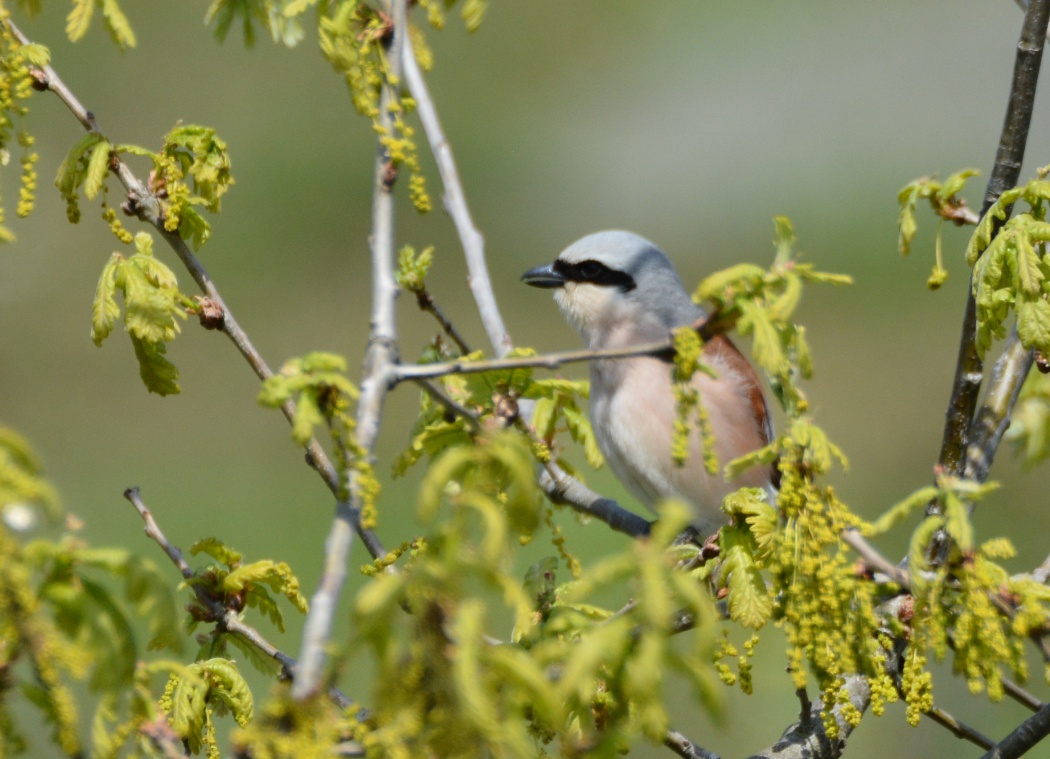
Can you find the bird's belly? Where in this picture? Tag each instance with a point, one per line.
(634, 427)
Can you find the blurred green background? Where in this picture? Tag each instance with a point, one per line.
(690, 122)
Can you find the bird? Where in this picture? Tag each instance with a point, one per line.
(619, 290)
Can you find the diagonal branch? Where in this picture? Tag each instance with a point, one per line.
(380, 361)
(227, 619)
(1024, 736)
(456, 204)
(969, 371)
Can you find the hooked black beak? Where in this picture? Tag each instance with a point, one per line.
(543, 276)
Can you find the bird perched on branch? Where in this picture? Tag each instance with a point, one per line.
(619, 290)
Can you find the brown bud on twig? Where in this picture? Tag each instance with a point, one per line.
(906, 610)
(209, 312)
(389, 175)
(506, 408)
(40, 80)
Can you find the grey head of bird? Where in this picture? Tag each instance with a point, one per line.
(616, 288)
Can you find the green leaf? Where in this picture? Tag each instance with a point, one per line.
(158, 374)
(193, 227)
(784, 238)
(903, 509)
(1033, 324)
(70, 173)
(748, 600)
(79, 19)
(117, 25)
(35, 55)
(581, 431)
(957, 522)
(1029, 274)
(766, 347)
(97, 168)
(954, 183)
(745, 275)
(783, 306)
(762, 457)
(104, 309)
(218, 550)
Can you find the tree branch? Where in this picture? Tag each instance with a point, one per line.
(545, 361)
(807, 738)
(561, 488)
(380, 360)
(427, 303)
(685, 748)
(1024, 736)
(969, 371)
(227, 619)
(456, 204)
(993, 418)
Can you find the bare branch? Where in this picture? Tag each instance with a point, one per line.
(807, 738)
(1025, 736)
(993, 418)
(456, 204)
(545, 361)
(561, 488)
(685, 748)
(380, 360)
(959, 729)
(969, 371)
(450, 405)
(427, 303)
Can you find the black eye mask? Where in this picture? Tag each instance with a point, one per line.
(595, 273)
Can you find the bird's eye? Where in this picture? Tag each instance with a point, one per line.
(590, 271)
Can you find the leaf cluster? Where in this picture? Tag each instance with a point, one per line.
(761, 303)
(573, 674)
(238, 586)
(153, 306)
(945, 202)
(196, 691)
(492, 399)
(1010, 270)
(64, 617)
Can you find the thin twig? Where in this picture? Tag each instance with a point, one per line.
(993, 418)
(544, 361)
(227, 619)
(876, 560)
(426, 302)
(450, 405)
(969, 371)
(561, 488)
(685, 748)
(380, 359)
(1023, 737)
(959, 729)
(456, 204)
(807, 737)
(163, 738)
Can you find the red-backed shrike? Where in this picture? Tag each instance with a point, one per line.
(619, 290)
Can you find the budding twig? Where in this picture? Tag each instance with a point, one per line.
(227, 619)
